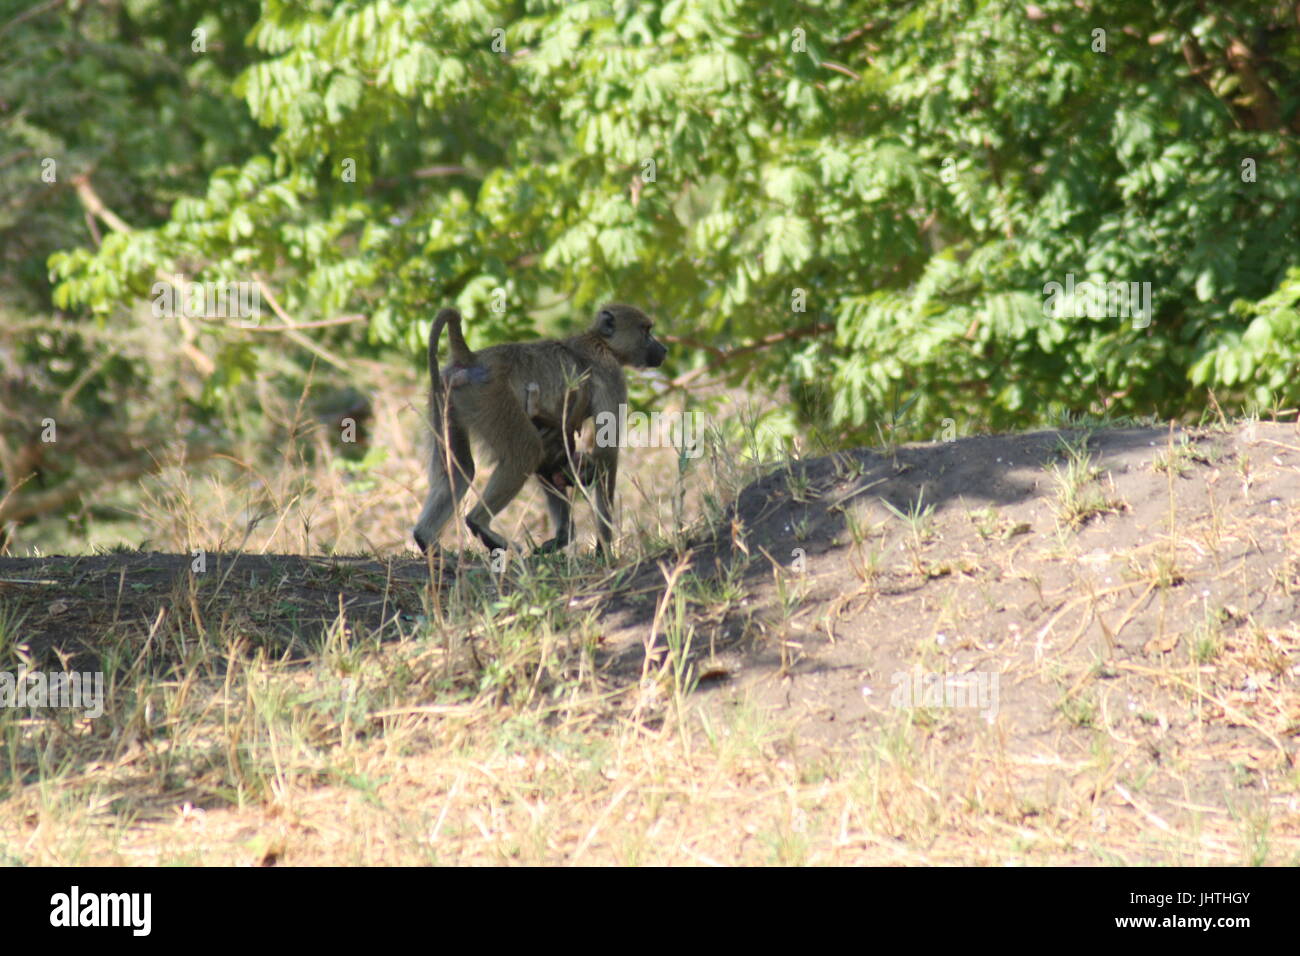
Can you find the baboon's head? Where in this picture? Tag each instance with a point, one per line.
(626, 330)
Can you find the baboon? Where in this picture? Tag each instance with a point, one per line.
(489, 395)
(563, 466)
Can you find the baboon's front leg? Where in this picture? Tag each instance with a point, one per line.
(606, 472)
(558, 504)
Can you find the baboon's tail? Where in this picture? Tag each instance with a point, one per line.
(460, 352)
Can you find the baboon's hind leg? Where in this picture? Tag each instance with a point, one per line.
(518, 452)
(445, 490)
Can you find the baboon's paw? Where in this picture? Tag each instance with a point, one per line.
(490, 540)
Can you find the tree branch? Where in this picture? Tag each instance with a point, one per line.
(35, 11)
(766, 341)
(17, 507)
(428, 172)
(291, 329)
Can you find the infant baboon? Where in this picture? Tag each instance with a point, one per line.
(514, 398)
(564, 466)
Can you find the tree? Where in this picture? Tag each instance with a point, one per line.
(863, 200)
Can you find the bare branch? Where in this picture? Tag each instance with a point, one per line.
(766, 341)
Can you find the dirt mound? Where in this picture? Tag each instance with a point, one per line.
(1093, 631)
(1024, 600)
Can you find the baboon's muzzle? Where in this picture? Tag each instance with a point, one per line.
(655, 355)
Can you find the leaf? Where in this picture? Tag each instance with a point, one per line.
(789, 244)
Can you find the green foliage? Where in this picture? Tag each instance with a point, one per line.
(115, 92)
(917, 172)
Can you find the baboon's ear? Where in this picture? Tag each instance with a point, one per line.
(605, 322)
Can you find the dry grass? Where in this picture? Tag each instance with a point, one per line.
(259, 713)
